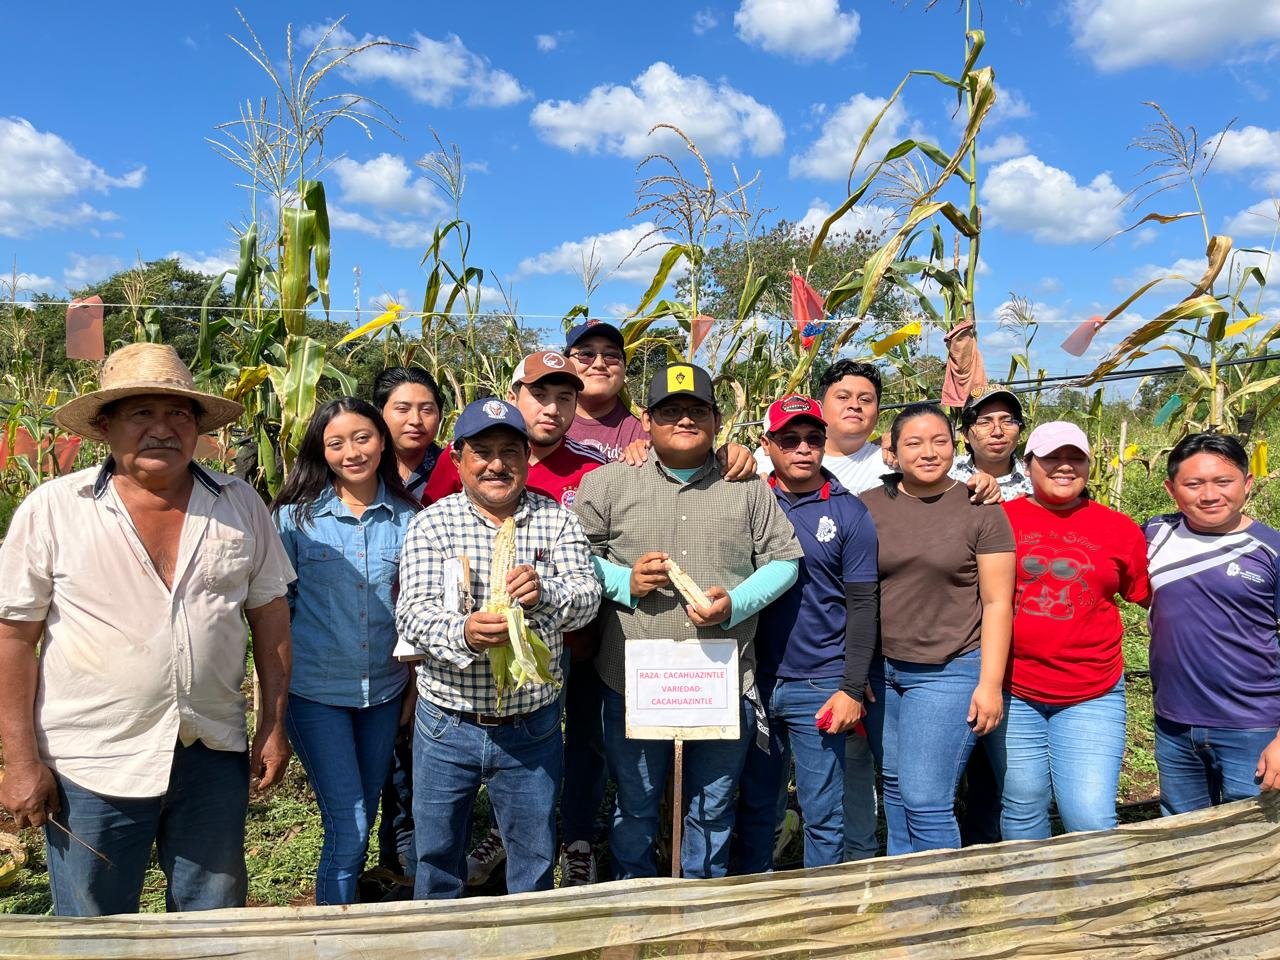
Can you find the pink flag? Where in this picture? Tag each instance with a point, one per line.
(966, 375)
(806, 310)
(1082, 336)
(698, 331)
(84, 329)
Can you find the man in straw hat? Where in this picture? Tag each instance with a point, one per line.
(135, 578)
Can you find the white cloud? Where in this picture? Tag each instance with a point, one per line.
(1258, 220)
(546, 42)
(82, 270)
(1004, 147)
(704, 20)
(618, 310)
(396, 233)
(435, 72)
(43, 179)
(387, 183)
(872, 218)
(1026, 195)
(1249, 149)
(828, 157)
(1118, 34)
(29, 283)
(1144, 237)
(207, 263)
(617, 119)
(1010, 105)
(609, 250)
(797, 28)
(1049, 285)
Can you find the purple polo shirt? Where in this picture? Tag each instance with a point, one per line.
(801, 634)
(1215, 657)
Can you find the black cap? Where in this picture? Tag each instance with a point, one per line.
(593, 328)
(680, 379)
(973, 406)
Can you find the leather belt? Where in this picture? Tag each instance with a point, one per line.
(486, 719)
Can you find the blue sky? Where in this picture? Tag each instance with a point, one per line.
(103, 152)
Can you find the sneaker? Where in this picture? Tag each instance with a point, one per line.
(577, 864)
(787, 831)
(485, 860)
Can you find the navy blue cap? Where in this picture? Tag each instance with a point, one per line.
(481, 415)
(594, 328)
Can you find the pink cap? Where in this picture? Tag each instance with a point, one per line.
(781, 412)
(1048, 437)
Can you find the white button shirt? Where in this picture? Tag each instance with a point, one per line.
(129, 667)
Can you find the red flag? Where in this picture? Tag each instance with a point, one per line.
(84, 329)
(806, 310)
(698, 331)
(1082, 336)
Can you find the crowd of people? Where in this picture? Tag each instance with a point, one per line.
(908, 622)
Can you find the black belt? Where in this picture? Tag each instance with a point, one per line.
(486, 719)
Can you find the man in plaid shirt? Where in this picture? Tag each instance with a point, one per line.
(462, 739)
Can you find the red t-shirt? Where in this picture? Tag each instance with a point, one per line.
(1071, 564)
(556, 476)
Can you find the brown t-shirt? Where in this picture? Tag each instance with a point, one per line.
(930, 609)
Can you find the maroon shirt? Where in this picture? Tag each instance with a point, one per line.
(611, 434)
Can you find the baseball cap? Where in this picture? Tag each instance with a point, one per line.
(593, 328)
(481, 415)
(973, 406)
(543, 364)
(680, 379)
(1048, 437)
(781, 412)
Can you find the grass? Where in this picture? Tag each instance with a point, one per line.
(283, 830)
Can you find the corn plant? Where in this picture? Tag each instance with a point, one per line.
(1218, 317)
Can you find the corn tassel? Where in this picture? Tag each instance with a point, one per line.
(526, 659)
(688, 589)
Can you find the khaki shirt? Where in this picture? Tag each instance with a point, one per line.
(127, 667)
(718, 532)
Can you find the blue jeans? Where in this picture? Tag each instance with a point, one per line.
(640, 769)
(1205, 766)
(1068, 754)
(584, 764)
(819, 758)
(520, 762)
(197, 828)
(860, 842)
(919, 734)
(346, 752)
(395, 828)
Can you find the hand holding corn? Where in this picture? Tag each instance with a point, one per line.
(649, 573)
(526, 658)
(717, 610)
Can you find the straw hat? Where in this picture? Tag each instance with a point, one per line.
(141, 369)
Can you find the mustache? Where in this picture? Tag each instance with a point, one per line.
(161, 445)
(495, 476)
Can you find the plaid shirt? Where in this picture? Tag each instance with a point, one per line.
(453, 676)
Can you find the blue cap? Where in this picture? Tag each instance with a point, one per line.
(481, 415)
(594, 328)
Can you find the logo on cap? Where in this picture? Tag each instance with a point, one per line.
(553, 360)
(495, 410)
(795, 405)
(679, 378)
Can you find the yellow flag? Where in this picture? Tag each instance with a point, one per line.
(901, 335)
(1240, 326)
(391, 315)
(1258, 462)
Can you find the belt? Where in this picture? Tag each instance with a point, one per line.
(486, 719)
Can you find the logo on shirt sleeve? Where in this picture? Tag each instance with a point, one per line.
(826, 530)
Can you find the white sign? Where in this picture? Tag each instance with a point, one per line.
(683, 690)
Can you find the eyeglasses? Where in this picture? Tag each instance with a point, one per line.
(612, 358)
(675, 412)
(989, 424)
(791, 441)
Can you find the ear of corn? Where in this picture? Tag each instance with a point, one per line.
(684, 583)
(526, 658)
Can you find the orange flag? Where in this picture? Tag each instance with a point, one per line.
(966, 376)
(698, 331)
(84, 329)
(1082, 336)
(806, 310)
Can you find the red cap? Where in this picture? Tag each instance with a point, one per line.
(543, 364)
(781, 412)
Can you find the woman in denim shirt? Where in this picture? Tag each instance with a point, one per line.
(342, 515)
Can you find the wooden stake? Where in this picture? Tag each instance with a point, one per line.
(677, 808)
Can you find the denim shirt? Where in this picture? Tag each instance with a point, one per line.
(342, 604)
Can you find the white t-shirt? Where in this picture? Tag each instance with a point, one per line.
(857, 472)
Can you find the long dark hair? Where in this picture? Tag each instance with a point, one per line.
(311, 474)
(910, 412)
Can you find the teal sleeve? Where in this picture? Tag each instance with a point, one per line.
(615, 579)
(760, 589)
